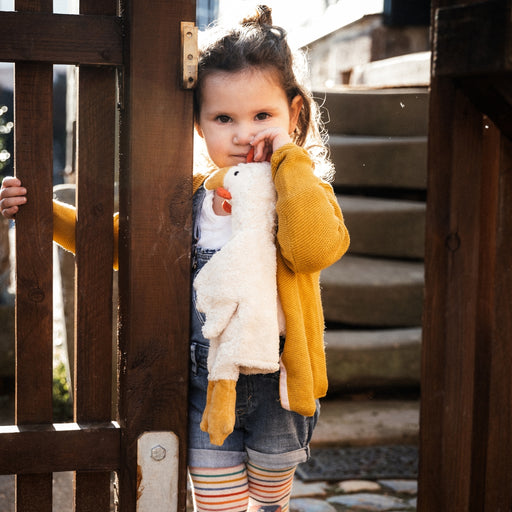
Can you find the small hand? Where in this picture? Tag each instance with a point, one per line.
(12, 195)
(267, 141)
(219, 204)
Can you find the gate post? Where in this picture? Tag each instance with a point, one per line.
(155, 236)
(465, 433)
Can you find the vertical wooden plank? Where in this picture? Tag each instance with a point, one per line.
(34, 226)
(34, 267)
(460, 307)
(155, 236)
(442, 96)
(452, 319)
(465, 435)
(96, 145)
(498, 491)
(33, 83)
(93, 288)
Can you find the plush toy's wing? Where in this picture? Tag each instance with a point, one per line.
(218, 318)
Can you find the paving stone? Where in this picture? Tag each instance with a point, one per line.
(358, 486)
(7, 493)
(401, 486)
(370, 502)
(310, 505)
(302, 489)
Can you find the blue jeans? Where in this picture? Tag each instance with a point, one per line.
(264, 432)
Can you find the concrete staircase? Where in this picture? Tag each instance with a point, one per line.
(373, 297)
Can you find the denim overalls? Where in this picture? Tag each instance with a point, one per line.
(264, 432)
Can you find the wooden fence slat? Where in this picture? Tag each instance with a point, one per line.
(93, 287)
(465, 436)
(155, 236)
(498, 467)
(61, 38)
(59, 447)
(450, 311)
(33, 163)
(34, 308)
(96, 145)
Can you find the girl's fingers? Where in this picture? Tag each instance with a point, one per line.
(13, 192)
(10, 181)
(268, 141)
(9, 206)
(9, 213)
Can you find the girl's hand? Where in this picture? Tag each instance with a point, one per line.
(12, 195)
(267, 141)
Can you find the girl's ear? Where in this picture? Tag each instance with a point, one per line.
(295, 108)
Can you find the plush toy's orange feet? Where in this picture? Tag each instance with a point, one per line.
(219, 414)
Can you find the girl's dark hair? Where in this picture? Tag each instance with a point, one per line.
(256, 42)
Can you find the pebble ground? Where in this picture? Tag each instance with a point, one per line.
(352, 495)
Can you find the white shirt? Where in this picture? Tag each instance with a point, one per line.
(215, 230)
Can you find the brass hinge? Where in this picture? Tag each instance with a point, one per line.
(189, 55)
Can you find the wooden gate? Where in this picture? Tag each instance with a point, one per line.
(466, 404)
(129, 60)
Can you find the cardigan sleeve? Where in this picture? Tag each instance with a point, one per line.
(64, 222)
(311, 232)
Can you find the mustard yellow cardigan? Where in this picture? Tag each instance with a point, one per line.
(311, 235)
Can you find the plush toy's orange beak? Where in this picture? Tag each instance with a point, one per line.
(222, 192)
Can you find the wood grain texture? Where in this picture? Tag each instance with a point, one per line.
(61, 38)
(96, 146)
(34, 265)
(467, 330)
(96, 153)
(59, 447)
(155, 235)
(473, 39)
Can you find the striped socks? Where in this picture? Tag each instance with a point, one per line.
(269, 489)
(229, 489)
(220, 489)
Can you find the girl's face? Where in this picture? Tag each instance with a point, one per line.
(235, 106)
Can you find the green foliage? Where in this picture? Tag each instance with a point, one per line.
(62, 404)
(6, 127)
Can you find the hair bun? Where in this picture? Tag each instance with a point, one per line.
(263, 16)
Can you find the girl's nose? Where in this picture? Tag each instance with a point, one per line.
(243, 137)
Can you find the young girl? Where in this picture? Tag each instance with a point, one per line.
(248, 99)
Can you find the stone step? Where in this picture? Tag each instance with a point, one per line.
(373, 292)
(385, 227)
(366, 422)
(382, 358)
(386, 112)
(408, 70)
(380, 161)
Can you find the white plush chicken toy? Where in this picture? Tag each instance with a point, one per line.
(237, 292)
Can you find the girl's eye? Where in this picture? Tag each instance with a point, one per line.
(262, 116)
(223, 119)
